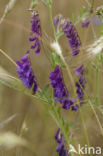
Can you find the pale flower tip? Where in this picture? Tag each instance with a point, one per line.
(97, 50)
(56, 47)
(96, 47)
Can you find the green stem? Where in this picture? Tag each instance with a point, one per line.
(61, 126)
(97, 85)
(97, 80)
(57, 119)
(51, 21)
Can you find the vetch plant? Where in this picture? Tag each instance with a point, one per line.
(60, 96)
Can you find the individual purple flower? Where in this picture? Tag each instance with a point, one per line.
(72, 36)
(61, 147)
(35, 32)
(57, 20)
(75, 107)
(25, 73)
(60, 91)
(80, 85)
(94, 20)
(97, 21)
(85, 23)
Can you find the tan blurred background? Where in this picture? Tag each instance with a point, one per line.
(14, 41)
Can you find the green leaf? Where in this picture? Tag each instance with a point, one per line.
(49, 3)
(58, 111)
(45, 92)
(100, 110)
(56, 60)
(63, 121)
(72, 125)
(80, 13)
(73, 18)
(101, 30)
(96, 101)
(59, 34)
(85, 9)
(67, 127)
(33, 4)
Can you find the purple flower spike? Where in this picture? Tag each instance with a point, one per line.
(72, 36)
(35, 32)
(60, 140)
(81, 84)
(60, 91)
(97, 21)
(26, 74)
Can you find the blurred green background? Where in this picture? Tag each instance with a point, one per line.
(14, 34)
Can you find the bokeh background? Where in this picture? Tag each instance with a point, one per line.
(14, 34)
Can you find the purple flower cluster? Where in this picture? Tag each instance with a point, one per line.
(35, 32)
(73, 37)
(26, 74)
(81, 82)
(60, 148)
(57, 20)
(60, 91)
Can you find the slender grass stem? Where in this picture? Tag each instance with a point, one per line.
(88, 2)
(2, 18)
(8, 57)
(9, 76)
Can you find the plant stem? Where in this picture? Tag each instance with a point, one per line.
(97, 82)
(70, 75)
(51, 21)
(8, 57)
(2, 18)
